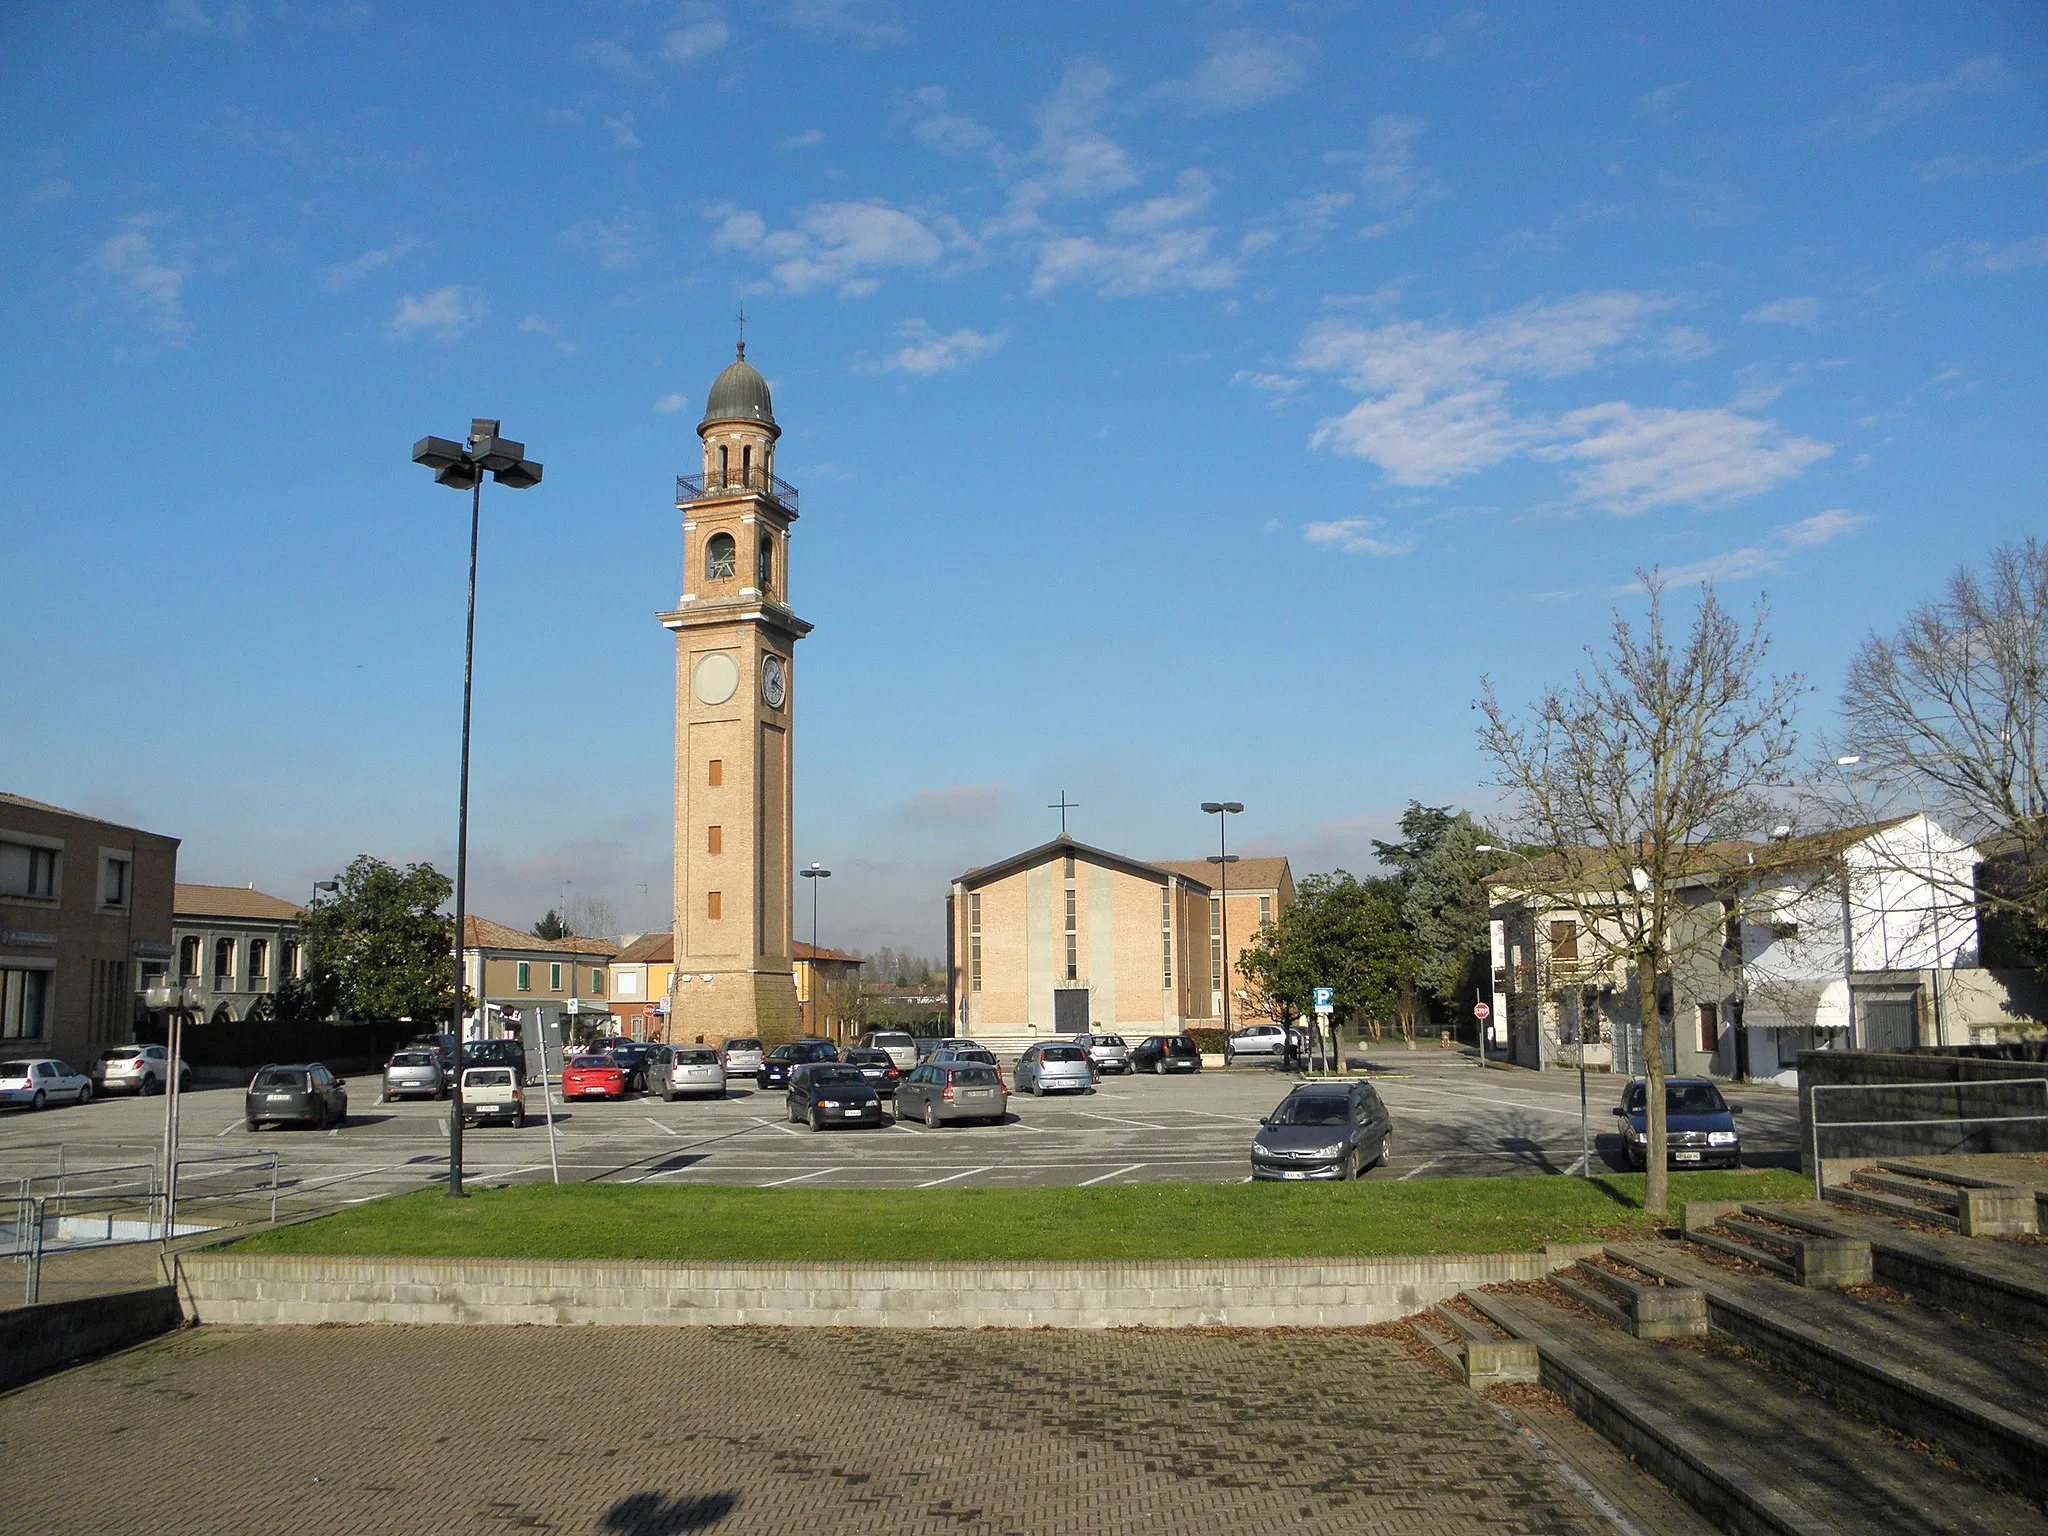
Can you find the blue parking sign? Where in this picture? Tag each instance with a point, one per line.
(1325, 999)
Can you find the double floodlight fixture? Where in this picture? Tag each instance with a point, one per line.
(1213, 807)
(460, 467)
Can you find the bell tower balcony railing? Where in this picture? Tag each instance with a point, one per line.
(692, 488)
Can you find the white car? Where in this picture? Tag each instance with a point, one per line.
(493, 1094)
(901, 1046)
(674, 1070)
(143, 1069)
(1267, 1040)
(41, 1082)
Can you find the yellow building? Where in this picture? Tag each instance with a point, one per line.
(826, 984)
(643, 985)
(735, 700)
(1260, 890)
(521, 981)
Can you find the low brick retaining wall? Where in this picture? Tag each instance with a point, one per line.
(36, 1340)
(1302, 1293)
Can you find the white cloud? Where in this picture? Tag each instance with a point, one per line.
(145, 278)
(1804, 313)
(842, 245)
(1888, 104)
(844, 21)
(1443, 43)
(195, 20)
(539, 325)
(348, 273)
(670, 403)
(1823, 527)
(1712, 204)
(617, 244)
(1421, 439)
(1165, 261)
(614, 58)
(701, 32)
(808, 139)
(1662, 103)
(1243, 68)
(957, 803)
(1354, 536)
(620, 127)
(445, 314)
(1640, 458)
(924, 351)
(1761, 559)
(1080, 160)
(53, 190)
(1983, 256)
(1277, 384)
(937, 126)
(1194, 190)
(1391, 178)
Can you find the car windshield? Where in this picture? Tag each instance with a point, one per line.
(592, 1063)
(897, 1040)
(487, 1077)
(413, 1059)
(124, 1053)
(1313, 1109)
(278, 1077)
(974, 1077)
(697, 1058)
(869, 1058)
(1681, 1099)
(1063, 1053)
(743, 1045)
(1116, 1040)
(837, 1072)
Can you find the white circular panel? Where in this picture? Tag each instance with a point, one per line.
(717, 678)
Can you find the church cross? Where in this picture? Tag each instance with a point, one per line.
(1064, 805)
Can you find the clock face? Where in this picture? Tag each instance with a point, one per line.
(716, 678)
(774, 682)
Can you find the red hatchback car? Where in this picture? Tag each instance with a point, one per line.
(593, 1077)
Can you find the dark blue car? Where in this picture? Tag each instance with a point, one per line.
(1699, 1125)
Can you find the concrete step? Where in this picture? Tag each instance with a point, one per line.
(1897, 1206)
(1483, 1356)
(1749, 1253)
(2002, 1284)
(1942, 1196)
(1819, 1263)
(1977, 1394)
(1648, 1311)
(1748, 1448)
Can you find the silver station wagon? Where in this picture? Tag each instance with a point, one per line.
(1053, 1066)
(676, 1070)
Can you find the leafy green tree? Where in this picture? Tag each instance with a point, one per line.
(551, 926)
(1343, 933)
(382, 950)
(1443, 896)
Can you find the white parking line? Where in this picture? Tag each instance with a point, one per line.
(1119, 1173)
(1492, 1101)
(1121, 1120)
(816, 1173)
(786, 1130)
(1417, 1169)
(965, 1173)
(660, 1127)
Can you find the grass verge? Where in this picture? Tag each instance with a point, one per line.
(1143, 1221)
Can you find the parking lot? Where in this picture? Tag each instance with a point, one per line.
(1451, 1117)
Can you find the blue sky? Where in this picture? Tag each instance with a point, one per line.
(1188, 402)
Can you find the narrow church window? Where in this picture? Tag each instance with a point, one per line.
(721, 555)
(714, 905)
(747, 465)
(1166, 937)
(722, 462)
(1073, 940)
(974, 941)
(717, 772)
(715, 843)
(1216, 982)
(765, 576)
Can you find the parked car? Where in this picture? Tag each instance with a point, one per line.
(591, 1076)
(414, 1074)
(1166, 1053)
(823, 1093)
(674, 1070)
(444, 1048)
(930, 1045)
(40, 1082)
(305, 1093)
(900, 1044)
(496, 1053)
(963, 1050)
(742, 1056)
(775, 1066)
(1107, 1052)
(878, 1066)
(631, 1055)
(1268, 1042)
(493, 1094)
(1053, 1066)
(143, 1069)
(1323, 1131)
(1699, 1125)
(941, 1092)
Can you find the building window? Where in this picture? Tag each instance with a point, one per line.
(223, 964)
(292, 959)
(724, 464)
(714, 905)
(24, 1004)
(714, 840)
(1731, 926)
(555, 977)
(1215, 943)
(113, 882)
(1070, 866)
(721, 556)
(1564, 941)
(1710, 1028)
(747, 464)
(1265, 911)
(1166, 938)
(716, 774)
(597, 983)
(765, 573)
(524, 973)
(26, 871)
(974, 942)
(188, 956)
(259, 959)
(1073, 940)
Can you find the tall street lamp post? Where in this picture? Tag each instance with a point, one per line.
(462, 467)
(814, 874)
(1222, 858)
(1482, 1025)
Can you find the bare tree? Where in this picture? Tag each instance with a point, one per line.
(1622, 778)
(1950, 715)
(590, 917)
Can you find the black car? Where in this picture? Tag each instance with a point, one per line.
(631, 1055)
(1699, 1125)
(496, 1053)
(303, 1094)
(1166, 1053)
(1323, 1131)
(826, 1093)
(878, 1067)
(775, 1066)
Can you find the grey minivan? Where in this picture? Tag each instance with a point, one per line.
(941, 1092)
(414, 1073)
(306, 1094)
(1323, 1131)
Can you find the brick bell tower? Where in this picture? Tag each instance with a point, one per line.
(735, 697)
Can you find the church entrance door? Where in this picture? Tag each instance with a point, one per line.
(1070, 1010)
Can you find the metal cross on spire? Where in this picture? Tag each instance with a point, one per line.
(742, 317)
(1064, 805)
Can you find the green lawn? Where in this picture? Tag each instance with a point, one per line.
(1148, 1221)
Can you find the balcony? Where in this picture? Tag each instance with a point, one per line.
(1573, 972)
(694, 488)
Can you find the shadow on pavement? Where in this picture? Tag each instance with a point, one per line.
(649, 1514)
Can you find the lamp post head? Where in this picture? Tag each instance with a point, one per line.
(1218, 807)
(326, 885)
(1850, 761)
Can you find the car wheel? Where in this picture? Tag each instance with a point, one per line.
(1159, 1067)
(85, 1093)
(518, 1119)
(1348, 1169)
(931, 1115)
(39, 1101)
(817, 1121)
(253, 1124)
(150, 1085)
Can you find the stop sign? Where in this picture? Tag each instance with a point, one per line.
(1481, 1012)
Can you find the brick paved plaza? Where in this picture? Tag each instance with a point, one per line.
(656, 1432)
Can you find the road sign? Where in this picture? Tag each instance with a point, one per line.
(1326, 1000)
(1481, 1012)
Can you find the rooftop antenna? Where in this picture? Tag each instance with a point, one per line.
(1063, 805)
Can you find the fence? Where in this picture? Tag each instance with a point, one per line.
(1924, 1129)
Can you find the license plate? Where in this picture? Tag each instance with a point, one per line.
(280, 1098)
(1293, 1173)
(979, 1093)
(1687, 1157)
(853, 1112)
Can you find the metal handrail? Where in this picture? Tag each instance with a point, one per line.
(691, 488)
(1813, 1111)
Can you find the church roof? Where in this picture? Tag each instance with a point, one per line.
(739, 394)
(982, 874)
(1247, 874)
